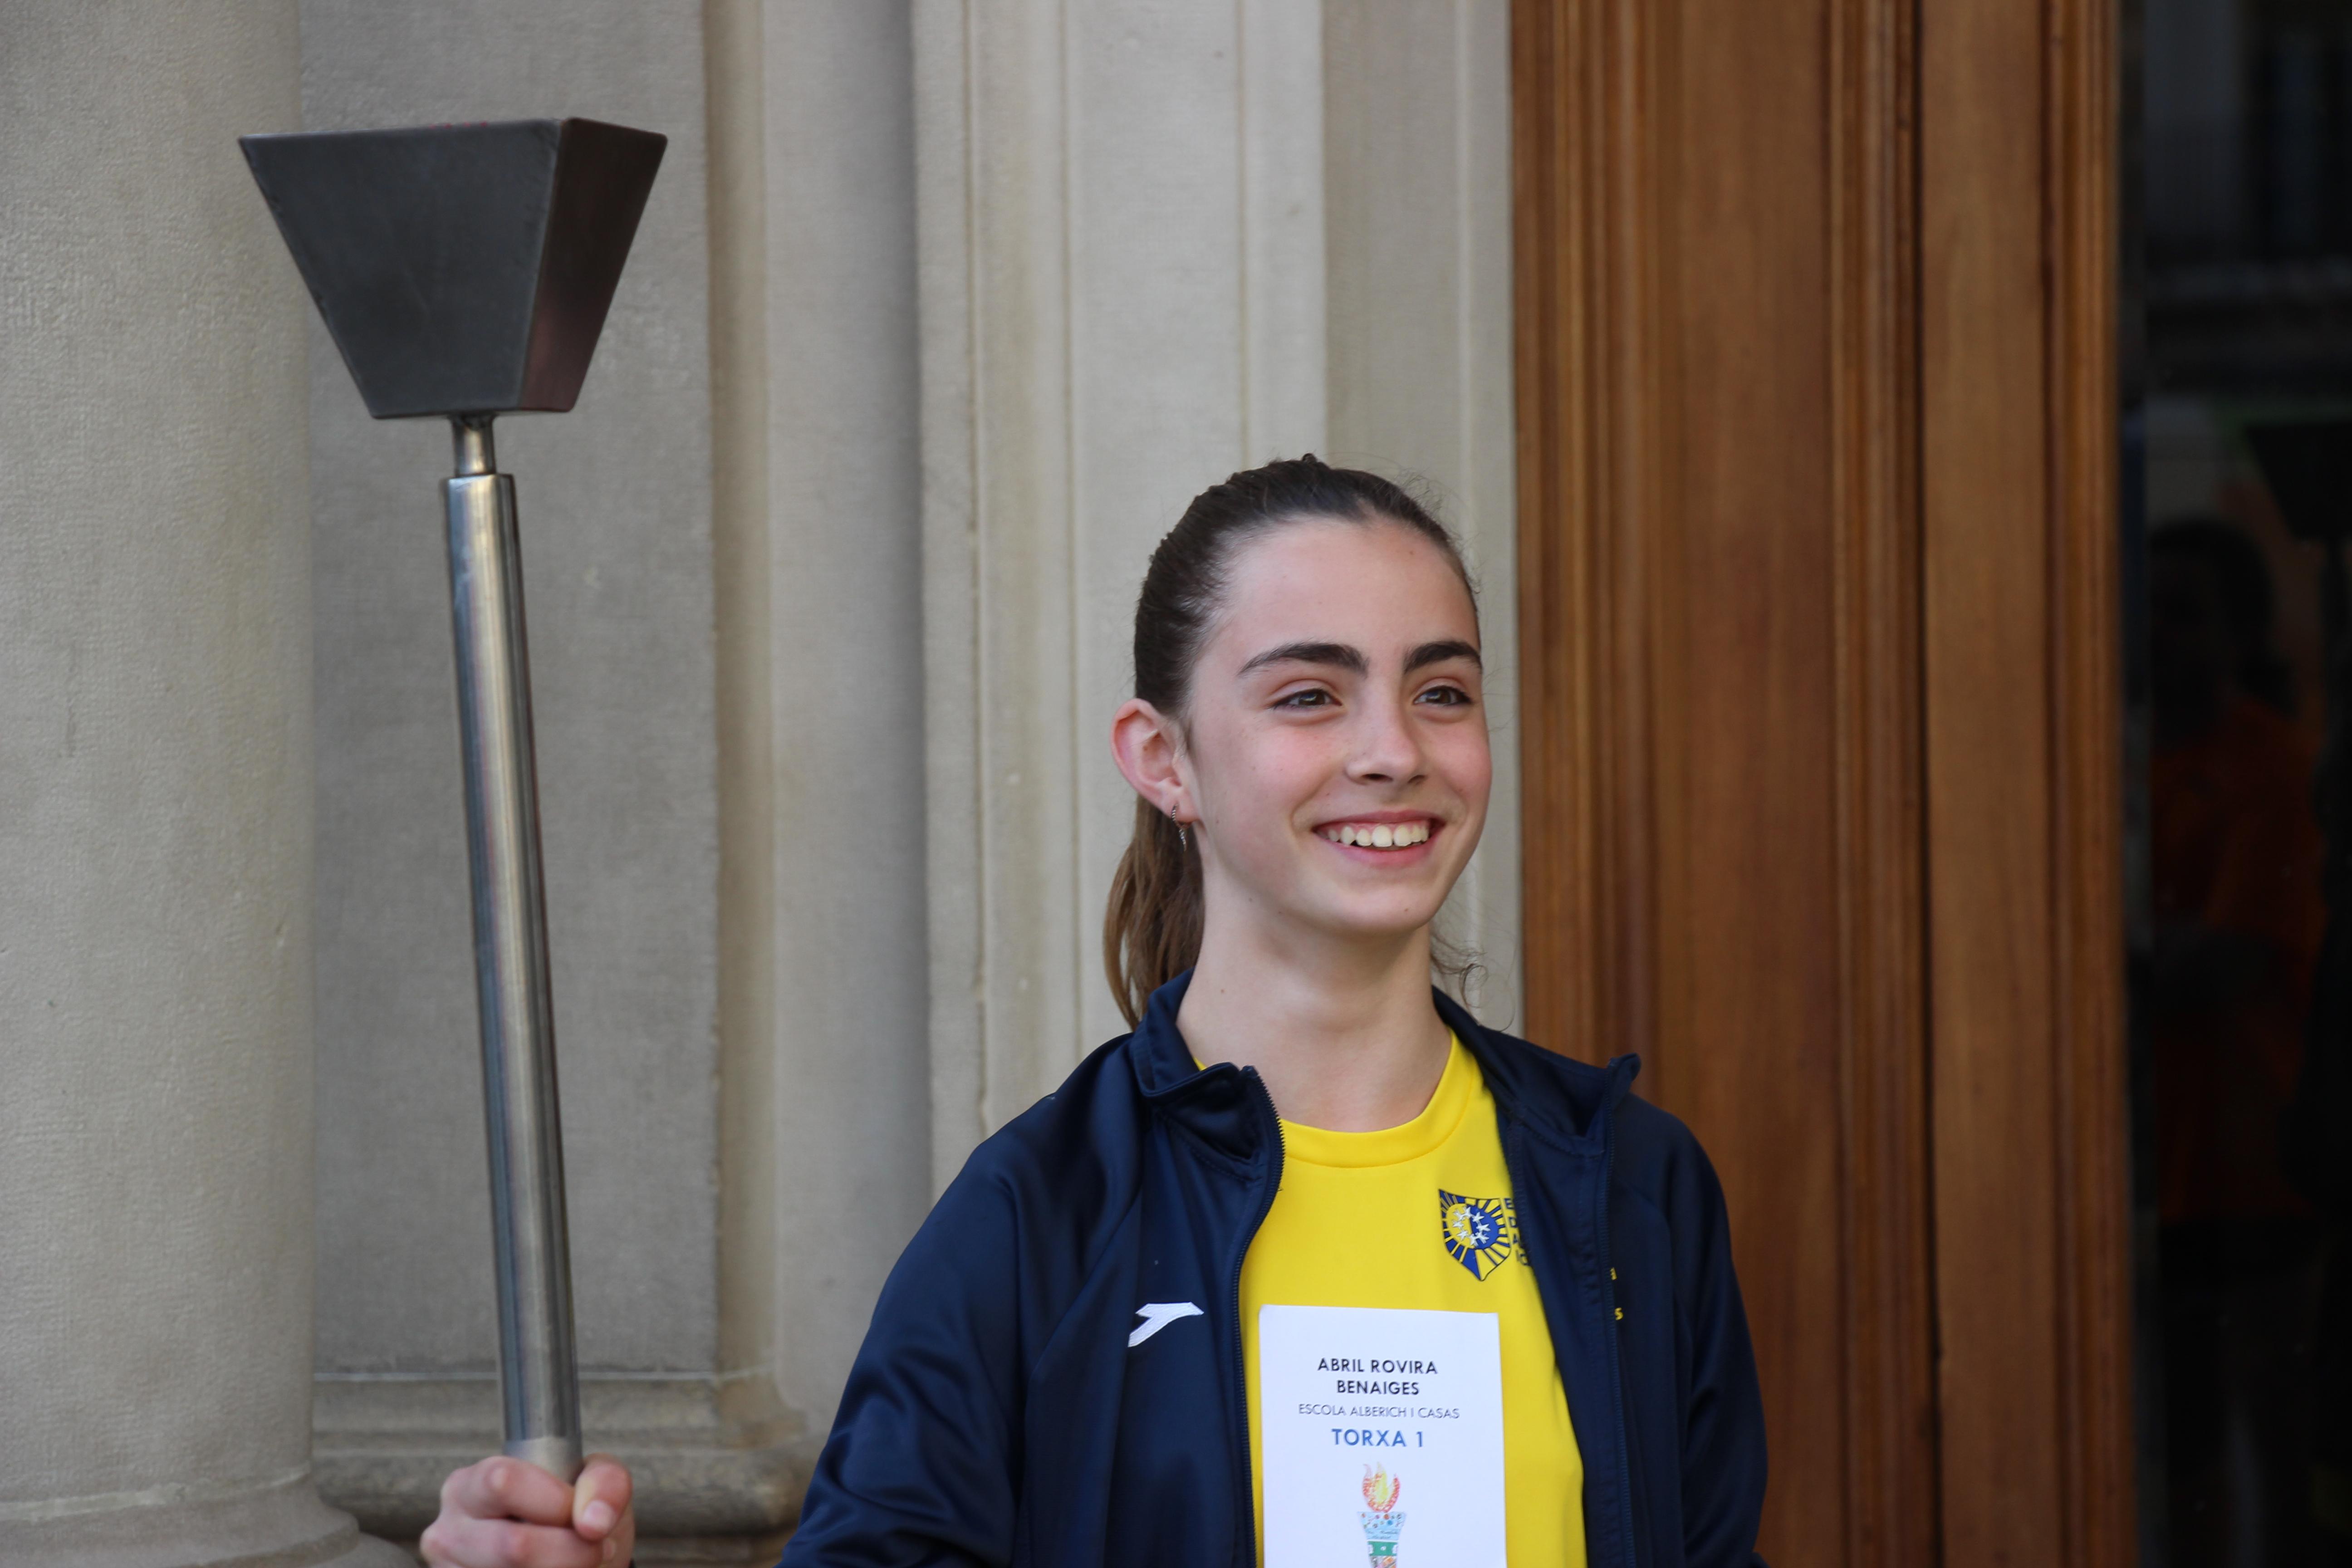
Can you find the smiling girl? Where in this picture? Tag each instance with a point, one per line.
(1310, 1218)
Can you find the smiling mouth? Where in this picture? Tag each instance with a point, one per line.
(1379, 835)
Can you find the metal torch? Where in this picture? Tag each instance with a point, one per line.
(465, 271)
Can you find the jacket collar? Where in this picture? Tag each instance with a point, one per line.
(1217, 1104)
(1567, 1100)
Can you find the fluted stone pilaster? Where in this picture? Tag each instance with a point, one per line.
(155, 1115)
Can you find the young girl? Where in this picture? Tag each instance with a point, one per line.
(1312, 1263)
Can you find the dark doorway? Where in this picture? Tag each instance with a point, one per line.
(2237, 486)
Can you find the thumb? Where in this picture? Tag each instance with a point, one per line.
(601, 1497)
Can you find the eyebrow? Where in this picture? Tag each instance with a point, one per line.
(1337, 654)
(1439, 652)
(1340, 655)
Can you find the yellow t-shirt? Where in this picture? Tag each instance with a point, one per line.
(1440, 1178)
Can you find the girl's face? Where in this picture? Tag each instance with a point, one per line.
(1334, 755)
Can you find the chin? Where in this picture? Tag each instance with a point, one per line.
(1381, 923)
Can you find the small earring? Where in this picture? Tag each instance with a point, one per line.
(1181, 841)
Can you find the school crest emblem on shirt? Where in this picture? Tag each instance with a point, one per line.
(1382, 1524)
(1480, 1234)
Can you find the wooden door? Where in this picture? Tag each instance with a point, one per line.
(1820, 710)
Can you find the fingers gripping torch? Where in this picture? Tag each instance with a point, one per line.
(465, 272)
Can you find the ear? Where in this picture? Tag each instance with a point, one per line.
(1147, 745)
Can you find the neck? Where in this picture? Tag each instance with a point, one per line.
(1341, 1029)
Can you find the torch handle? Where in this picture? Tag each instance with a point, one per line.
(538, 1372)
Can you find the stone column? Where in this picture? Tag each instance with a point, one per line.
(817, 527)
(155, 1125)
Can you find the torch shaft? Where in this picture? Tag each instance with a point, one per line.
(538, 1371)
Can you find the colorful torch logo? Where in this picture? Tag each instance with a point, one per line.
(1382, 1524)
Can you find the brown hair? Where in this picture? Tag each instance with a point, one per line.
(1151, 932)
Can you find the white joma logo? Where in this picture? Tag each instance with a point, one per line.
(1158, 1315)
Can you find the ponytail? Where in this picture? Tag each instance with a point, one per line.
(1151, 932)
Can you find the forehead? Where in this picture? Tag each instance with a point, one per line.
(1373, 586)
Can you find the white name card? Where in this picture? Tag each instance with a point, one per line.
(1383, 1431)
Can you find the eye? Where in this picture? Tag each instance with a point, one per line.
(1446, 696)
(1312, 697)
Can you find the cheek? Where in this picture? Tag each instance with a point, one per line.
(1465, 761)
(1258, 779)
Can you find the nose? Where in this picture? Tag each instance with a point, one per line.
(1387, 746)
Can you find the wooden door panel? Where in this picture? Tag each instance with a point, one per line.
(1745, 1041)
(1817, 669)
(1718, 595)
(2024, 782)
(1987, 711)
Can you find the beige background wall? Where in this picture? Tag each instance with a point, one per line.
(821, 720)
(155, 764)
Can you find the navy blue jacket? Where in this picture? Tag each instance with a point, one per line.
(996, 1414)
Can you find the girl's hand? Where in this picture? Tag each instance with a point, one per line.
(508, 1514)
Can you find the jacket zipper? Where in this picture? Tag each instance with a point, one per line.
(1248, 1511)
(1616, 1370)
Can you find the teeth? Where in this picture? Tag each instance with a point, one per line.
(1380, 835)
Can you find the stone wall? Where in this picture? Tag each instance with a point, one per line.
(156, 765)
